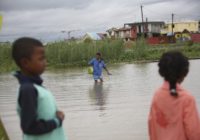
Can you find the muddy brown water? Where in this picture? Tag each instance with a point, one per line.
(115, 110)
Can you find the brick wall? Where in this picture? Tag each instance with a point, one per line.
(195, 37)
(153, 40)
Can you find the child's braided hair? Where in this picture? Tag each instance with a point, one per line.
(173, 67)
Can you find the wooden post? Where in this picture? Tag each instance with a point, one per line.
(172, 24)
(173, 28)
(142, 19)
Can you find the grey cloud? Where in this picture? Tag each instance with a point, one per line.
(47, 18)
(17, 5)
(13, 5)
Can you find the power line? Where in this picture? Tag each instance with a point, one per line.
(179, 17)
(191, 16)
(156, 17)
(153, 11)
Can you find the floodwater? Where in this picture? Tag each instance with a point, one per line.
(115, 110)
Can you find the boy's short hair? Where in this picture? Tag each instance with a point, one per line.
(98, 53)
(23, 48)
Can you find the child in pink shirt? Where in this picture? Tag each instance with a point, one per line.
(173, 114)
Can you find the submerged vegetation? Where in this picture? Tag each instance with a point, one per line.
(71, 53)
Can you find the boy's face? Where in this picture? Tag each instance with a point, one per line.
(36, 64)
(98, 57)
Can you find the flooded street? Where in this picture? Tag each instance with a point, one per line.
(115, 110)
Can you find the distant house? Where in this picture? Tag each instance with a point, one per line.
(103, 35)
(113, 33)
(95, 36)
(91, 36)
(149, 29)
(182, 36)
(122, 33)
(179, 27)
(131, 31)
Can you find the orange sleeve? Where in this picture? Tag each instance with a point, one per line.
(191, 119)
(151, 124)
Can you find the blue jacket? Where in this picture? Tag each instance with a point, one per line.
(98, 65)
(37, 109)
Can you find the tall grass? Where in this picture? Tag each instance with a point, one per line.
(79, 53)
(65, 54)
(60, 54)
(138, 51)
(6, 62)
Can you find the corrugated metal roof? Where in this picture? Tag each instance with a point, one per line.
(124, 29)
(150, 22)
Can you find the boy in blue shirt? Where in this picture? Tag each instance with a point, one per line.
(39, 117)
(98, 64)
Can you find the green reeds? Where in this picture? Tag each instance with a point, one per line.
(6, 62)
(73, 53)
(79, 53)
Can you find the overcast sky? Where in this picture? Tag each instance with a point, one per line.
(45, 19)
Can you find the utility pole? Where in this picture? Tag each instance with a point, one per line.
(172, 28)
(146, 27)
(172, 24)
(142, 18)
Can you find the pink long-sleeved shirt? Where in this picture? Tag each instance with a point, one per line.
(173, 118)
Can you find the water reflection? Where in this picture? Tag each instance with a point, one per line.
(98, 95)
(117, 109)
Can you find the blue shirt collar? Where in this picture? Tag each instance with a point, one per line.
(28, 79)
